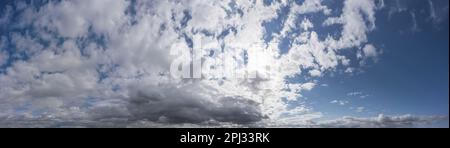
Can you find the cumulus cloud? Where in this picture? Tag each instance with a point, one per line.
(315, 73)
(368, 52)
(111, 59)
(108, 62)
(77, 18)
(95, 52)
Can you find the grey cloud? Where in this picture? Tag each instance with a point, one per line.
(177, 106)
(382, 121)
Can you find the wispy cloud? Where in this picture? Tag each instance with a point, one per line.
(340, 102)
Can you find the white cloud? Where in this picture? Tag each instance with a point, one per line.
(349, 70)
(310, 6)
(360, 109)
(74, 18)
(306, 24)
(308, 86)
(340, 102)
(358, 18)
(98, 53)
(357, 93)
(308, 51)
(369, 52)
(132, 59)
(25, 43)
(364, 96)
(315, 73)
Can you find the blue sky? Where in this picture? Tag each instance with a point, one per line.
(345, 63)
(411, 76)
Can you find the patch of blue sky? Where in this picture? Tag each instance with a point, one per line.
(234, 9)
(274, 26)
(22, 108)
(104, 71)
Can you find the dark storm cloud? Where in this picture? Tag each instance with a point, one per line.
(174, 107)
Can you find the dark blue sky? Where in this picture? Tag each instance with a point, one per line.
(412, 75)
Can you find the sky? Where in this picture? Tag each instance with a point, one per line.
(177, 63)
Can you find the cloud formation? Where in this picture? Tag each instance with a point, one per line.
(109, 60)
(382, 121)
